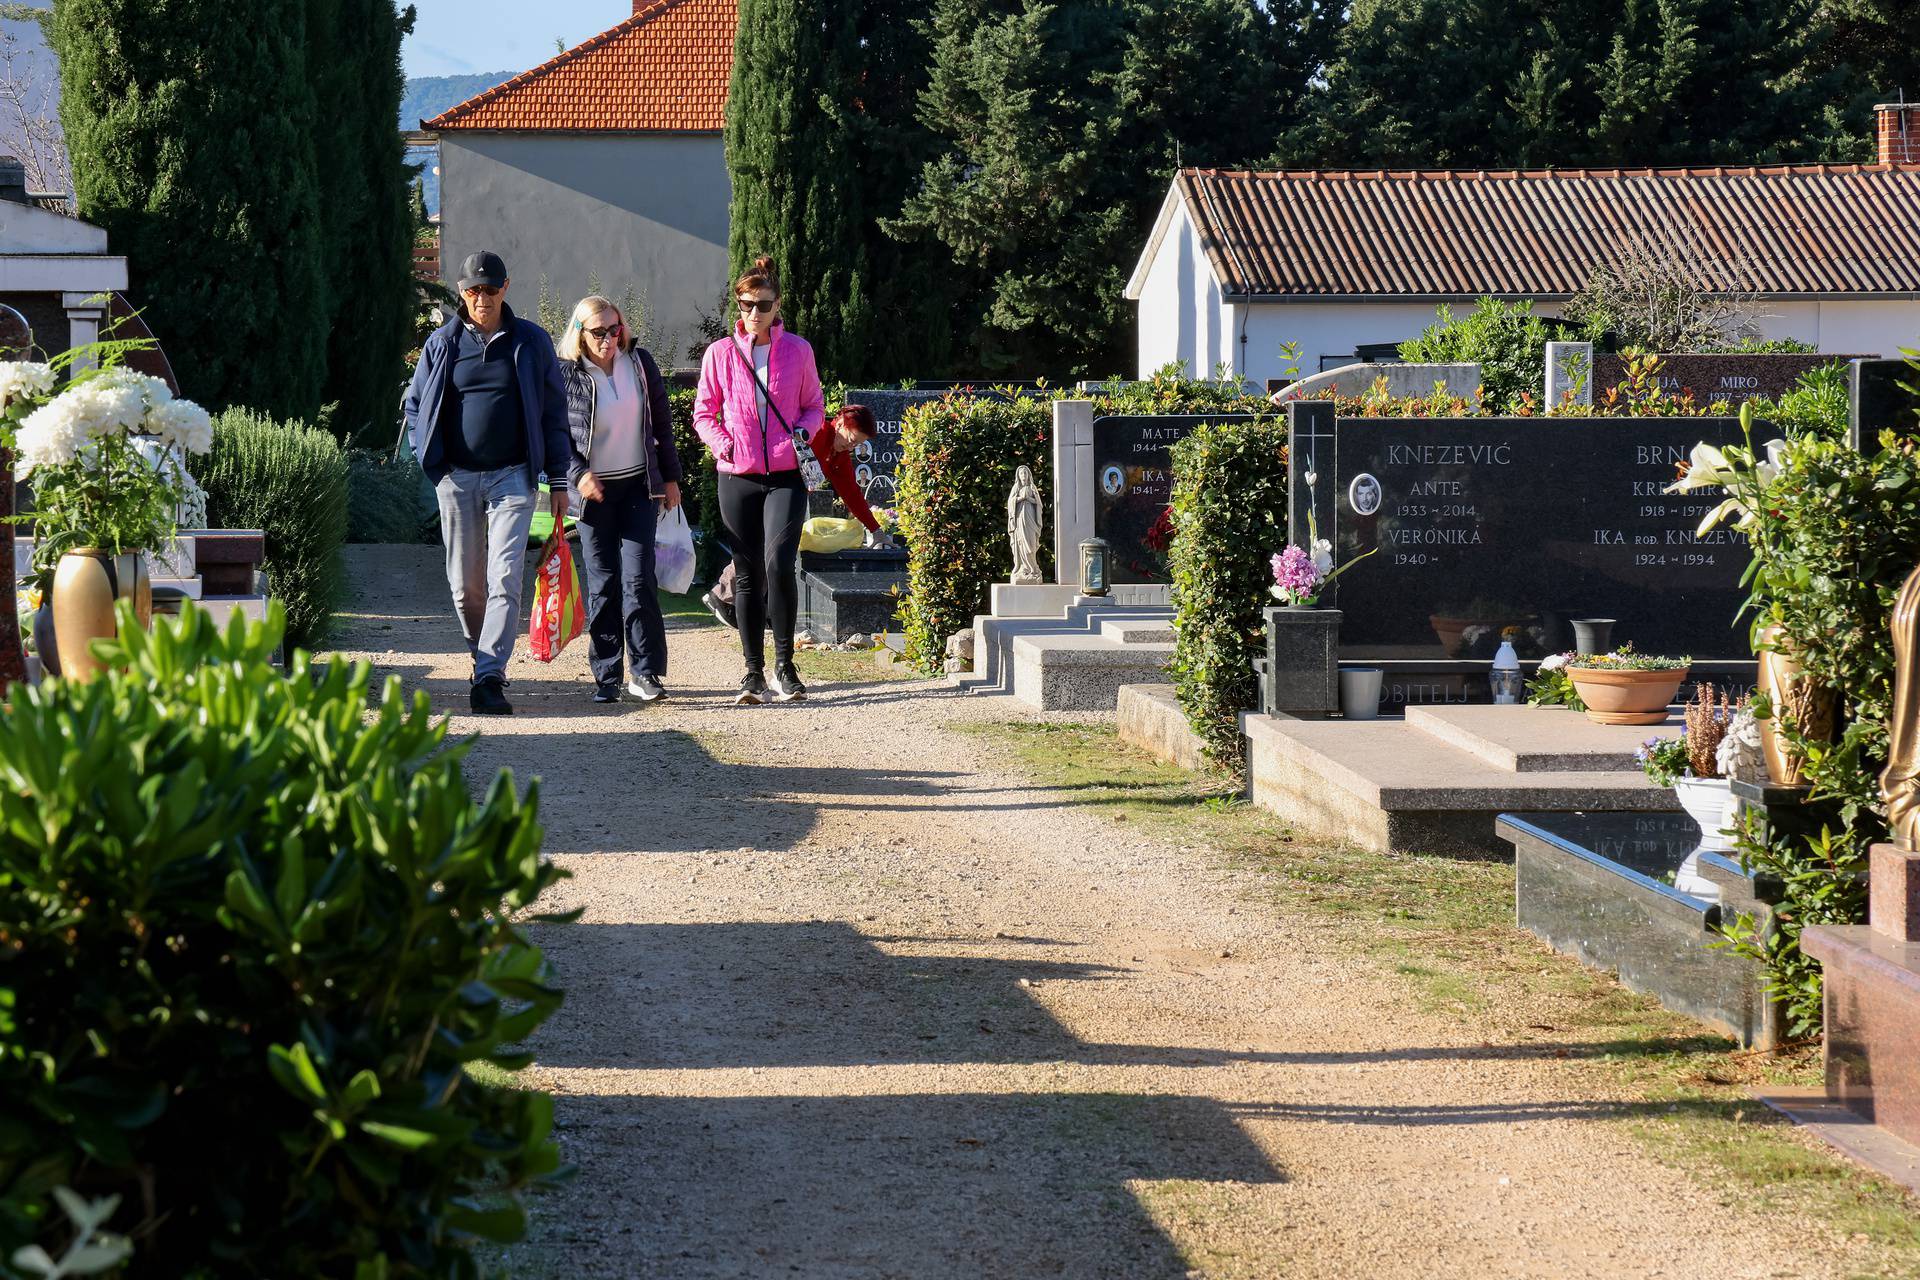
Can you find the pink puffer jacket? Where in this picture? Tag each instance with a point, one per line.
(727, 416)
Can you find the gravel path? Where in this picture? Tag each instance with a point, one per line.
(846, 1002)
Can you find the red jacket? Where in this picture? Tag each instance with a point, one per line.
(840, 474)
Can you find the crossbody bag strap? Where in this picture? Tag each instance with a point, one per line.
(811, 472)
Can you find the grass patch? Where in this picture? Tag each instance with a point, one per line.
(1444, 928)
(685, 608)
(842, 666)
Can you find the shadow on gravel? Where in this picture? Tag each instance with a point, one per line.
(691, 801)
(958, 1185)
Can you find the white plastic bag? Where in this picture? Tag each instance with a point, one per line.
(673, 552)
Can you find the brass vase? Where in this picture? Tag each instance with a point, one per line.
(1795, 696)
(86, 586)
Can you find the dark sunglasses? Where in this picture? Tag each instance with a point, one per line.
(484, 290)
(597, 334)
(763, 305)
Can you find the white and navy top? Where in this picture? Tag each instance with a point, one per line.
(619, 449)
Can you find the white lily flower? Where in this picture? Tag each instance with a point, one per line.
(1706, 466)
(1322, 554)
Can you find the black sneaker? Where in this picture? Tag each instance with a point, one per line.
(606, 693)
(488, 699)
(786, 683)
(720, 610)
(646, 688)
(753, 690)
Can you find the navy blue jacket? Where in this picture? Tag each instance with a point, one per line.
(543, 397)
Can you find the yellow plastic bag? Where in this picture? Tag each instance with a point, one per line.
(831, 533)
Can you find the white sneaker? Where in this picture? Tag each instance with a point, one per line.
(646, 688)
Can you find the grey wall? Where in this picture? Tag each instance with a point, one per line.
(647, 210)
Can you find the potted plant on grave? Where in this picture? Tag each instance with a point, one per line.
(106, 458)
(1690, 764)
(1627, 687)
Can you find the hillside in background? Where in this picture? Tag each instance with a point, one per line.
(427, 96)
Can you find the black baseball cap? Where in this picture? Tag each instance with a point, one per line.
(481, 268)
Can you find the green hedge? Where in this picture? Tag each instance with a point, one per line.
(256, 935)
(290, 481)
(958, 456)
(1229, 518)
(389, 499)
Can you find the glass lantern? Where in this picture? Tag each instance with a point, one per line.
(1093, 567)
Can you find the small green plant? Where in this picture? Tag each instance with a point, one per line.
(1663, 759)
(257, 933)
(1627, 658)
(291, 482)
(1551, 686)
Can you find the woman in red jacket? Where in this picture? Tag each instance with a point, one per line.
(758, 404)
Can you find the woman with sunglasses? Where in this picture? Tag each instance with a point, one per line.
(623, 463)
(759, 401)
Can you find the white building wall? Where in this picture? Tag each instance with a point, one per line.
(1182, 314)
(646, 211)
(1847, 327)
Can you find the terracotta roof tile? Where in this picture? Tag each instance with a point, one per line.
(1801, 229)
(665, 68)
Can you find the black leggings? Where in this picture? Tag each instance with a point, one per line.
(763, 515)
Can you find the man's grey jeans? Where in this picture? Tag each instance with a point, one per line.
(484, 519)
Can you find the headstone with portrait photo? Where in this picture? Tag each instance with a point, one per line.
(1490, 528)
(1133, 488)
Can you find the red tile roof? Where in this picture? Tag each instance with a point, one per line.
(1806, 229)
(666, 68)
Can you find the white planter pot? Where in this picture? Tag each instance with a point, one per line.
(1709, 802)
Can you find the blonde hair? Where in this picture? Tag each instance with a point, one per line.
(584, 310)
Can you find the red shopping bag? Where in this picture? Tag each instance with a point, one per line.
(558, 611)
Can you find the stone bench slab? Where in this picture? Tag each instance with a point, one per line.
(1539, 739)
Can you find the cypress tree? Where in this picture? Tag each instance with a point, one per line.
(189, 125)
(366, 216)
(791, 165)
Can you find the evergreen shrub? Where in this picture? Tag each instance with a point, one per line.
(958, 456)
(388, 499)
(254, 932)
(1229, 519)
(1505, 339)
(290, 481)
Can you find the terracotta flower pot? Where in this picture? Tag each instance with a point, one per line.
(1810, 707)
(86, 586)
(1615, 696)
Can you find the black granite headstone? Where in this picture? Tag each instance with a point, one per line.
(1133, 485)
(1487, 527)
(874, 464)
(1883, 395)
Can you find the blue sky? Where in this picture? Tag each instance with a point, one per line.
(462, 37)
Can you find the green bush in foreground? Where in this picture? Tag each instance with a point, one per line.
(1229, 519)
(253, 932)
(290, 481)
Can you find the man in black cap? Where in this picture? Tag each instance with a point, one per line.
(488, 414)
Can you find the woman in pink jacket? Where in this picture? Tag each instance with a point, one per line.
(758, 389)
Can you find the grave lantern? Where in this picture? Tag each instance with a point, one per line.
(1093, 567)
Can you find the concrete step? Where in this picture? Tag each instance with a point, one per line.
(1540, 739)
(993, 639)
(1082, 672)
(1392, 786)
(1139, 631)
